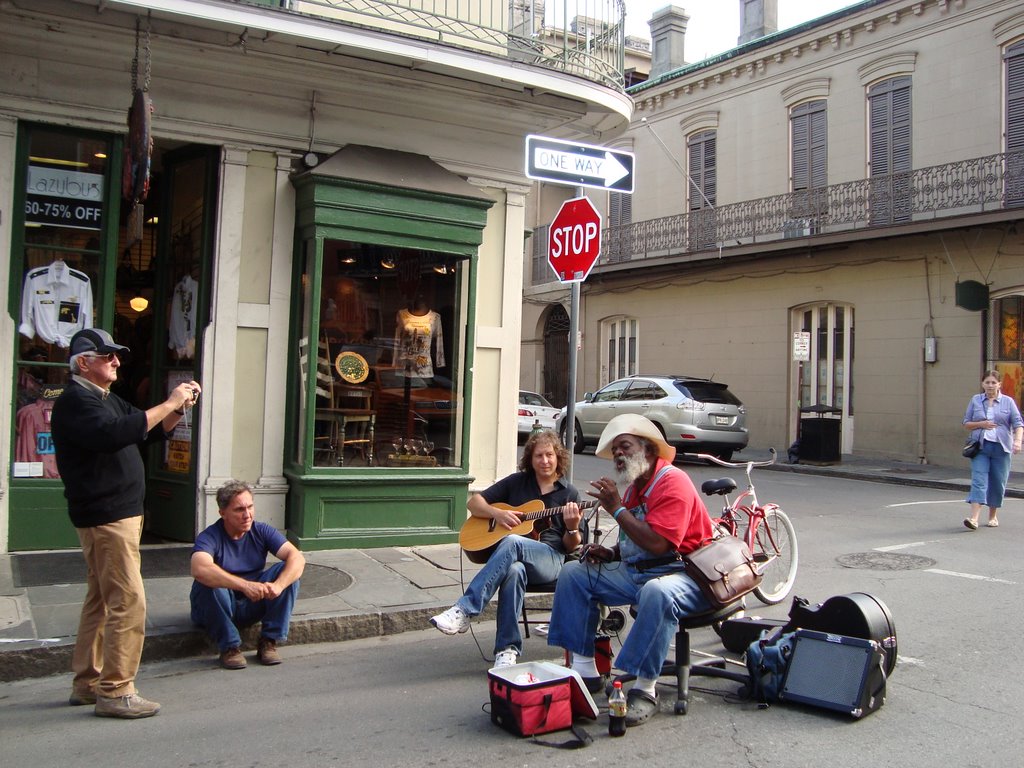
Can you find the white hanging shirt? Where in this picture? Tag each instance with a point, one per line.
(413, 337)
(56, 303)
(182, 331)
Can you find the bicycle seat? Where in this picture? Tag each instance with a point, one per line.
(720, 487)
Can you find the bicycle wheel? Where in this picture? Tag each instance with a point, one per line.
(775, 549)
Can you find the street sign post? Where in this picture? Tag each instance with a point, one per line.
(574, 240)
(584, 165)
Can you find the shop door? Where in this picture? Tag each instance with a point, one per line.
(556, 357)
(181, 304)
(826, 379)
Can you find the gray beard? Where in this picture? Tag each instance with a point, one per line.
(633, 467)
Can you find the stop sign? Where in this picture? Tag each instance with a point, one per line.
(574, 240)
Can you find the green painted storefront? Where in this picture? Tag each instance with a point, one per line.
(391, 205)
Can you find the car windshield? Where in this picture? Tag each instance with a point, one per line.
(708, 392)
(532, 398)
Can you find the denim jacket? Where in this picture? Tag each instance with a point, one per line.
(1006, 416)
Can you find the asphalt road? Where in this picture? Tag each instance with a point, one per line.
(420, 698)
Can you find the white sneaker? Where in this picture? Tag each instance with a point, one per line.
(505, 658)
(451, 622)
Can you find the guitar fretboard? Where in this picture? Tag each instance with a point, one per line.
(552, 511)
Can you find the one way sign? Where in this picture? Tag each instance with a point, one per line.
(584, 165)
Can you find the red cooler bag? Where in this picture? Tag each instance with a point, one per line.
(537, 697)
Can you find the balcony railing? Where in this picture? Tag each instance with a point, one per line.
(579, 37)
(953, 189)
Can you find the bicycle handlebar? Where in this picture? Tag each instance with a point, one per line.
(739, 465)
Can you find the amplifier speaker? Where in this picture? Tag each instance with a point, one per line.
(846, 674)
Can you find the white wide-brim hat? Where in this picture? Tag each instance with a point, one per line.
(633, 424)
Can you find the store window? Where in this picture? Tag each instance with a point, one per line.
(381, 352)
(1008, 344)
(60, 244)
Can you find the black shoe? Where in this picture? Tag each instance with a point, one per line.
(595, 684)
(641, 707)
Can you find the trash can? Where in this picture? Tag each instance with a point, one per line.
(820, 434)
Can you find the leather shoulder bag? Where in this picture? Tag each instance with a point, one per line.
(724, 570)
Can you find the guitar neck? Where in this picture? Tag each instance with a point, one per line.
(552, 511)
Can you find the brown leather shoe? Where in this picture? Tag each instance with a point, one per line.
(267, 653)
(232, 658)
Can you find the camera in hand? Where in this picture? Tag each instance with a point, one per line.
(195, 395)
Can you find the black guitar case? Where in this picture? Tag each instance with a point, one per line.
(857, 615)
(854, 615)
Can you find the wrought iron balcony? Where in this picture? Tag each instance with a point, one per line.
(978, 185)
(940, 191)
(580, 37)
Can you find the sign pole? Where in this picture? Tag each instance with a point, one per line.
(574, 332)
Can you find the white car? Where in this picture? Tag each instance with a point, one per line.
(533, 408)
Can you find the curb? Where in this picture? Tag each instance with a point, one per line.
(188, 642)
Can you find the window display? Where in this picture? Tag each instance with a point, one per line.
(397, 313)
(60, 257)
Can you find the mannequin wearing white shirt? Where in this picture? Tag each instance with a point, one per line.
(416, 330)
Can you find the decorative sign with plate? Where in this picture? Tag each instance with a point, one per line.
(352, 367)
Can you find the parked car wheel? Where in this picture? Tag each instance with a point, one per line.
(577, 445)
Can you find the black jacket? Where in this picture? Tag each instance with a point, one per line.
(97, 443)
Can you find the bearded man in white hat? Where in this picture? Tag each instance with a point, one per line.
(660, 517)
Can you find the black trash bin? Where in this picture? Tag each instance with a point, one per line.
(820, 434)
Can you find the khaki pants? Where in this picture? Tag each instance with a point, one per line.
(112, 626)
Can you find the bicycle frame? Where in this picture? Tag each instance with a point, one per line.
(746, 503)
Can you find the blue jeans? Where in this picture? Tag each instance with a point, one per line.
(990, 470)
(515, 562)
(220, 611)
(661, 595)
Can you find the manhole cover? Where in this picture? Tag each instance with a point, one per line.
(884, 561)
(321, 580)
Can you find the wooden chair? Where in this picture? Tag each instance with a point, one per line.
(356, 419)
(324, 425)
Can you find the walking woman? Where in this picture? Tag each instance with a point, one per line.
(994, 420)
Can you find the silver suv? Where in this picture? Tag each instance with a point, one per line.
(695, 415)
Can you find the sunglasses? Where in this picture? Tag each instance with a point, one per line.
(108, 356)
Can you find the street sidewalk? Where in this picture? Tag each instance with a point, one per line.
(345, 594)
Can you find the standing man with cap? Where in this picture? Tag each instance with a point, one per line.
(660, 517)
(96, 436)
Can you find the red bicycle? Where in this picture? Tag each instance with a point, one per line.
(769, 535)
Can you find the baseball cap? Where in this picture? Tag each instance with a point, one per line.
(94, 340)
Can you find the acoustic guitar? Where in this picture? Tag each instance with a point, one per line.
(479, 535)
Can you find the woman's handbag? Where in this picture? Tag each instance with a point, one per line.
(724, 570)
(971, 448)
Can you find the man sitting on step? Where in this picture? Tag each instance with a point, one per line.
(232, 586)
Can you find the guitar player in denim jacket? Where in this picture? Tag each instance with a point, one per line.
(518, 560)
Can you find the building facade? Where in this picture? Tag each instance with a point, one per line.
(827, 218)
(317, 210)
